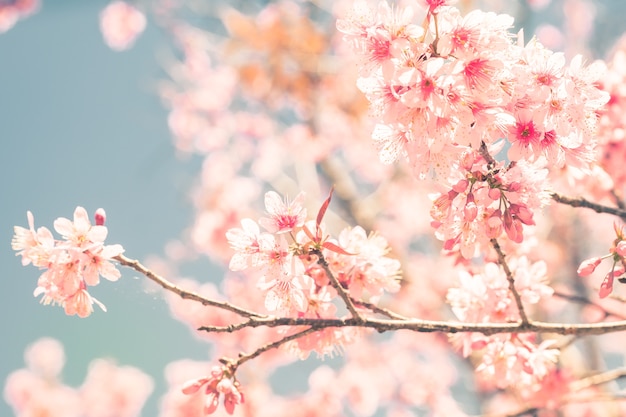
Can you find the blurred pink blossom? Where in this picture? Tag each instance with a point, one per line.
(120, 24)
(12, 11)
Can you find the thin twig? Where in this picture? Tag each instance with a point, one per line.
(379, 310)
(187, 295)
(584, 300)
(600, 378)
(509, 277)
(581, 202)
(234, 364)
(336, 284)
(618, 200)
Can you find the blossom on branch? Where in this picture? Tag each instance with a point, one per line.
(218, 383)
(71, 264)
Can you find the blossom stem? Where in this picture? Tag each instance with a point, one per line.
(509, 277)
(378, 310)
(187, 295)
(581, 202)
(336, 284)
(484, 152)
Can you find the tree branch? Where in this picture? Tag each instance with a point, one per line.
(379, 310)
(600, 378)
(581, 202)
(187, 295)
(336, 284)
(429, 326)
(509, 277)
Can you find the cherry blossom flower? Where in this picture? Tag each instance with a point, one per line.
(121, 23)
(284, 215)
(367, 271)
(251, 246)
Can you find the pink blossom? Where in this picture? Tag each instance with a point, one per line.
(284, 215)
(120, 24)
(251, 246)
(80, 232)
(11, 12)
(286, 287)
(367, 271)
(110, 390)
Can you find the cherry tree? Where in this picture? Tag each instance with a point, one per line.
(414, 188)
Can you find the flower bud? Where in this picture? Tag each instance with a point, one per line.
(100, 217)
(588, 266)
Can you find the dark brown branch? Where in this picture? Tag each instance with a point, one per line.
(511, 280)
(581, 202)
(336, 284)
(187, 295)
(428, 326)
(380, 325)
(485, 154)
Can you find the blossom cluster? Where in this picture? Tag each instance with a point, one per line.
(510, 359)
(108, 389)
(459, 81)
(487, 200)
(218, 383)
(72, 264)
(296, 260)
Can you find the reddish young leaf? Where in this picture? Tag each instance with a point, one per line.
(321, 213)
(338, 249)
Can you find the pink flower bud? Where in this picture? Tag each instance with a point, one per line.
(211, 402)
(514, 187)
(100, 217)
(607, 285)
(588, 266)
(494, 194)
(194, 385)
(513, 228)
(470, 211)
(523, 214)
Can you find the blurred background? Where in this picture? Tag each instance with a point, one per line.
(83, 125)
